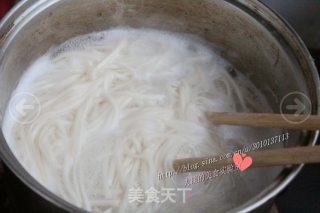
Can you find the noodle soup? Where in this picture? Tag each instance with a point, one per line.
(117, 107)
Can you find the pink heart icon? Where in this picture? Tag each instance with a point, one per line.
(243, 154)
(242, 164)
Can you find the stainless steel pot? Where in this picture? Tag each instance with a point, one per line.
(250, 36)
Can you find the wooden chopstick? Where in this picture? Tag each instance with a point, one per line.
(266, 120)
(287, 156)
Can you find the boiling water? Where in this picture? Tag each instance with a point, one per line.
(117, 107)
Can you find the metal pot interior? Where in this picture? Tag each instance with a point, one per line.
(247, 34)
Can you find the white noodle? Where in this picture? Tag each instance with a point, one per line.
(115, 115)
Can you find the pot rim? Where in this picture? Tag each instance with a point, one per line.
(26, 10)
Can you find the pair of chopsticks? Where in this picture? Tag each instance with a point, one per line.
(287, 156)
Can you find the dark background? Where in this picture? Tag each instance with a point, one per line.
(303, 193)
